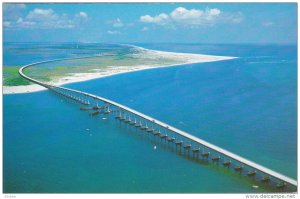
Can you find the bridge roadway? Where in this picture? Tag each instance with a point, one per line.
(284, 180)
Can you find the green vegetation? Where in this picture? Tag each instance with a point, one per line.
(11, 76)
(111, 63)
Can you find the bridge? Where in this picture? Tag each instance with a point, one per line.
(198, 148)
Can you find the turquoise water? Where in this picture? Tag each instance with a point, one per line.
(246, 105)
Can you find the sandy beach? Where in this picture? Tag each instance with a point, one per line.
(180, 58)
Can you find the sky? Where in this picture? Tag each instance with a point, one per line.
(237, 23)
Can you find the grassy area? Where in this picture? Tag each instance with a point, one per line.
(11, 76)
(61, 69)
(51, 72)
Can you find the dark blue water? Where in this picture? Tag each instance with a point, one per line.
(246, 105)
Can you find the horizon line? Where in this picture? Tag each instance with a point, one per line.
(107, 42)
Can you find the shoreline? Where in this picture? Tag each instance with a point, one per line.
(81, 77)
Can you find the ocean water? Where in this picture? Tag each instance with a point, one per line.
(245, 105)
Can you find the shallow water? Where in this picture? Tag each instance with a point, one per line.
(246, 105)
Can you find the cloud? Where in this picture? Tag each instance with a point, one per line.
(20, 20)
(193, 17)
(145, 29)
(82, 15)
(42, 15)
(234, 18)
(46, 19)
(12, 11)
(267, 23)
(181, 13)
(117, 23)
(6, 23)
(160, 19)
(113, 32)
